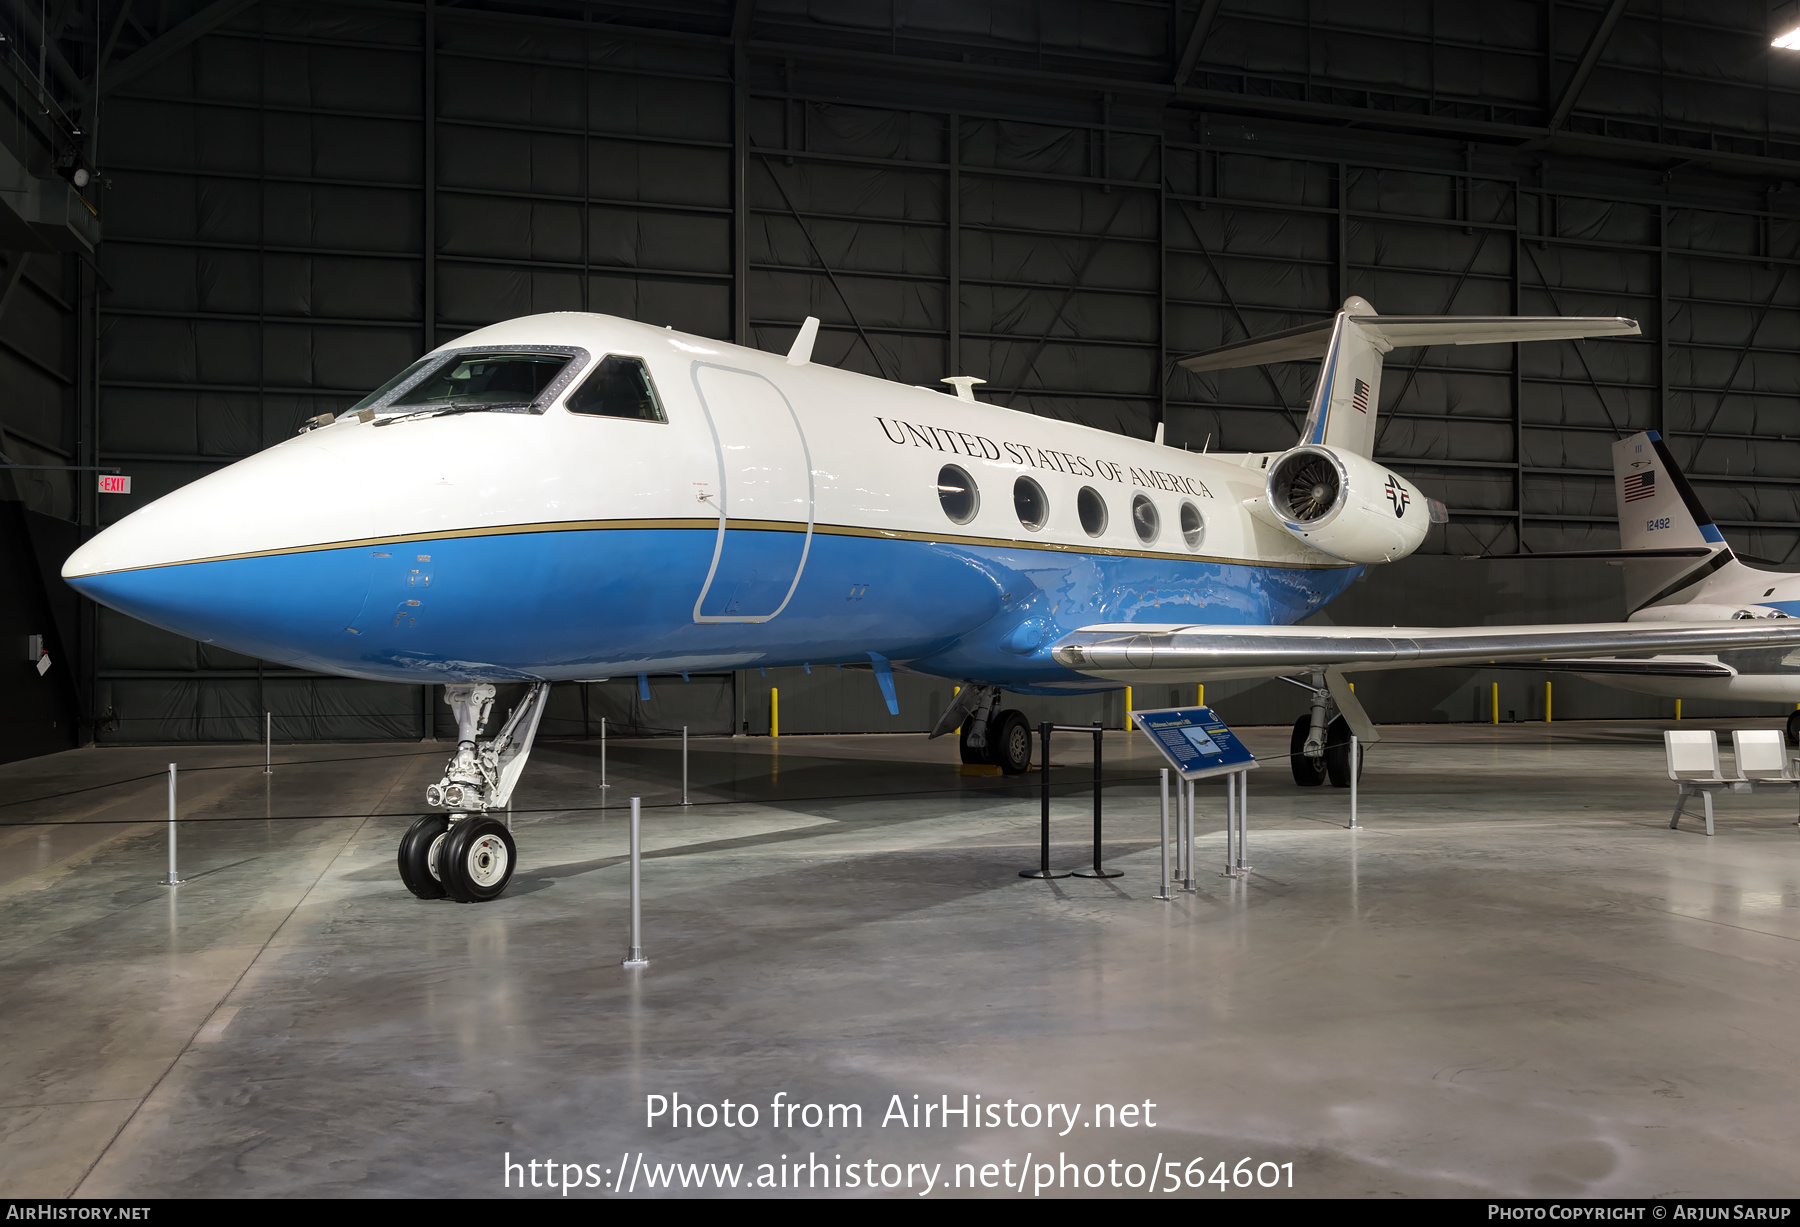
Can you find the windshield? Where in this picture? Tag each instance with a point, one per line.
(484, 381)
(393, 383)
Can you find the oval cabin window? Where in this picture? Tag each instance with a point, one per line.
(957, 494)
(1092, 509)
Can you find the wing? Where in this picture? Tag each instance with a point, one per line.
(1624, 666)
(1132, 652)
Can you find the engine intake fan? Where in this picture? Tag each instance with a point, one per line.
(1306, 487)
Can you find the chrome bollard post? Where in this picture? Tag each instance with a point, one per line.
(1354, 750)
(603, 782)
(174, 878)
(634, 955)
(268, 743)
(1164, 830)
(684, 766)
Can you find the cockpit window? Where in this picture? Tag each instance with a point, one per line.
(379, 393)
(485, 381)
(492, 378)
(619, 388)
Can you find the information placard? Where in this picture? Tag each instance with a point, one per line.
(1195, 741)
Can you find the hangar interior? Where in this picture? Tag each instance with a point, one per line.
(224, 218)
(295, 200)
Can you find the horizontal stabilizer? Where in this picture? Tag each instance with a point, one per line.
(1126, 652)
(1686, 551)
(1310, 341)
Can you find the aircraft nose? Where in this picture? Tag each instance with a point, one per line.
(240, 557)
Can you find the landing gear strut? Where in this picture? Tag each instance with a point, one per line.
(467, 855)
(987, 735)
(1320, 746)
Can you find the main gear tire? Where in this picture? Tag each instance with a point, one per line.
(1009, 741)
(418, 856)
(477, 860)
(1308, 772)
(1793, 728)
(1337, 754)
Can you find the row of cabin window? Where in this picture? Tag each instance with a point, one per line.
(961, 500)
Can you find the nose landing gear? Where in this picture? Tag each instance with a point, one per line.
(467, 855)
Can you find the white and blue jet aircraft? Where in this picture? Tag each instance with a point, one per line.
(1678, 568)
(572, 496)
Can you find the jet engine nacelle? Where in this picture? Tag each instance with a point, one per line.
(1697, 612)
(1346, 505)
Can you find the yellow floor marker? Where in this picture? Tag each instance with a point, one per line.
(1496, 693)
(774, 712)
(1546, 702)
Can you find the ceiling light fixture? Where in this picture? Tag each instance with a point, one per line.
(1790, 41)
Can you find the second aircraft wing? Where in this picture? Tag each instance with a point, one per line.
(1138, 652)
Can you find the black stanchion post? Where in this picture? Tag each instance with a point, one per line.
(1097, 871)
(1043, 869)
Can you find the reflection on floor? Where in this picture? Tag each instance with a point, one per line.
(1516, 981)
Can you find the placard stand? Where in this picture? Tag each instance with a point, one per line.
(1199, 745)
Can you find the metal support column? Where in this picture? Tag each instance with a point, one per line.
(1163, 833)
(174, 878)
(429, 194)
(1098, 871)
(1187, 838)
(1243, 817)
(1043, 870)
(634, 954)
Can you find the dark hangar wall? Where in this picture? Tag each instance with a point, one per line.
(1059, 198)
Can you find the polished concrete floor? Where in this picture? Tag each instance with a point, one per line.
(1515, 981)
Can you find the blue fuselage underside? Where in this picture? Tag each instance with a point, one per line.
(590, 603)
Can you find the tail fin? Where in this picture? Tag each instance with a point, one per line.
(1658, 509)
(1353, 344)
(1343, 407)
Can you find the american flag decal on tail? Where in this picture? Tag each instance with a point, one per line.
(1361, 398)
(1640, 485)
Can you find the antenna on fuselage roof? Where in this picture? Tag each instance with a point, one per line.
(801, 353)
(965, 385)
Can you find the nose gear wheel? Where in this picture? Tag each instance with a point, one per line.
(477, 858)
(419, 849)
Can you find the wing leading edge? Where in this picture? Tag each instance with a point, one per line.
(1128, 652)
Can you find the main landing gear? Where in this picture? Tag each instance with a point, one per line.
(1002, 738)
(1320, 746)
(466, 855)
(1793, 728)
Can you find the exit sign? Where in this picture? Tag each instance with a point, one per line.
(113, 483)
